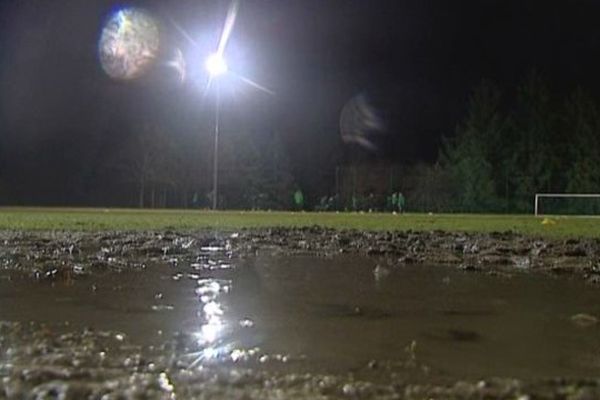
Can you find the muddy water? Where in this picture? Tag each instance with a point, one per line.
(331, 315)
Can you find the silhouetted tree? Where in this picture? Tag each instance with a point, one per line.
(470, 157)
(533, 138)
(258, 172)
(582, 130)
(143, 161)
(429, 188)
(582, 126)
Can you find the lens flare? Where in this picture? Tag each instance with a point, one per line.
(177, 64)
(129, 43)
(360, 123)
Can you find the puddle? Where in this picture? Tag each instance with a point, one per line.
(332, 315)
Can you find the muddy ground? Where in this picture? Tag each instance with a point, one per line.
(54, 362)
(48, 255)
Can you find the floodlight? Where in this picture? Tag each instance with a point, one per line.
(216, 65)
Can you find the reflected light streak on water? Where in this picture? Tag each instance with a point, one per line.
(210, 336)
(210, 331)
(332, 316)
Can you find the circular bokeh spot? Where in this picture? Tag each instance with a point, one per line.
(129, 43)
(360, 123)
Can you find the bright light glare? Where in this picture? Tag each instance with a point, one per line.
(216, 65)
(210, 332)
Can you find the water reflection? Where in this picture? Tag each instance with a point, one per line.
(210, 331)
(211, 337)
(332, 315)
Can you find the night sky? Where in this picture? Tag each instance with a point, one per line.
(416, 61)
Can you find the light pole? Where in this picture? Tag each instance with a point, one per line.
(216, 67)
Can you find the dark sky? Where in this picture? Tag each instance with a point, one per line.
(415, 60)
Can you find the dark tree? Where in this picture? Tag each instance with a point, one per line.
(472, 157)
(534, 139)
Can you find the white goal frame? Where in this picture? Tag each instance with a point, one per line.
(538, 195)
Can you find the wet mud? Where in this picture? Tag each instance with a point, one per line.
(298, 313)
(48, 255)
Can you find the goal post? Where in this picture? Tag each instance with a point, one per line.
(539, 196)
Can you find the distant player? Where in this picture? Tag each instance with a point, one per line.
(401, 202)
(298, 200)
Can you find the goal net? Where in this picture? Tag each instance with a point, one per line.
(567, 204)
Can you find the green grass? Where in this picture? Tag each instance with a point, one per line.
(94, 219)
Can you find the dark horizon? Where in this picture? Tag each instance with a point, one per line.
(62, 117)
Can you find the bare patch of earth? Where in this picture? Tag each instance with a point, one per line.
(38, 363)
(50, 362)
(50, 255)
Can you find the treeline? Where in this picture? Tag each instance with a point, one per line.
(160, 170)
(511, 146)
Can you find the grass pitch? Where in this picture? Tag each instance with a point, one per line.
(95, 219)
